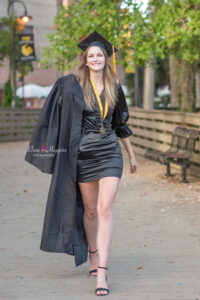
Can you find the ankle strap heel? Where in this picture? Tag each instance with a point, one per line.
(93, 272)
(92, 251)
(101, 288)
(103, 268)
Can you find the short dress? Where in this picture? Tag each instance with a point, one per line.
(99, 155)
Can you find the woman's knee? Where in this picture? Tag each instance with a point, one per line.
(91, 212)
(104, 209)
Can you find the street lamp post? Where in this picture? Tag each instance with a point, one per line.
(24, 18)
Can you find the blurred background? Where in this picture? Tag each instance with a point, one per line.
(157, 61)
(158, 42)
(27, 72)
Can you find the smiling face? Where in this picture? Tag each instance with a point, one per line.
(95, 58)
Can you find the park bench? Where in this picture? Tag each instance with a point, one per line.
(180, 151)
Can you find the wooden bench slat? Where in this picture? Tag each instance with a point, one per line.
(25, 117)
(17, 125)
(172, 117)
(151, 124)
(15, 138)
(14, 132)
(159, 136)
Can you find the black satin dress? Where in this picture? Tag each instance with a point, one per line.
(99, 154)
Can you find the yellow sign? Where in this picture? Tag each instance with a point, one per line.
(26, 50)
(26, 45)
(26, 38)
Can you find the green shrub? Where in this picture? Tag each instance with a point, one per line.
(7, 94)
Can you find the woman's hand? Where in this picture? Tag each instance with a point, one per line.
(133, 164)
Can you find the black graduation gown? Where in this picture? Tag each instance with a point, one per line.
(53, 149)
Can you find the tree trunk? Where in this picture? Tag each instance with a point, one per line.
(138, 87)
(149, 76)
(197, 88)
(59, 4)
(149, 86)
(173, 65)
(187, 84)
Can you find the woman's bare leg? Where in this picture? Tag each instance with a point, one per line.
(107, 192)
(89, 193)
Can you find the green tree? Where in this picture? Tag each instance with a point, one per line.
(79, 19)
(7, 90)
(173, 29)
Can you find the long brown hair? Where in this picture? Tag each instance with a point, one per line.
(82, 73)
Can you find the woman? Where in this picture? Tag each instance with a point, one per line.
(100, 159)
(75, 140)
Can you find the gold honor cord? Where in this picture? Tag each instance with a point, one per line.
(114, 61)
(102, 129)
(99, 101)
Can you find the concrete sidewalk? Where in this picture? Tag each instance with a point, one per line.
(155, 251)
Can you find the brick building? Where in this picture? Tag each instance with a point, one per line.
(42, 22)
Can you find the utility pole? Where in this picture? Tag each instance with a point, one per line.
(25, 18)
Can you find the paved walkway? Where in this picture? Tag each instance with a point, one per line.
(155, 252)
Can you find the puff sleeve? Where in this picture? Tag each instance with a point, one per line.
(121, 115)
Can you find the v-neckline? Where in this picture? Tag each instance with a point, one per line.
(101, 92)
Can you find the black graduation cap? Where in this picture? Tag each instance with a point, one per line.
(96, 39)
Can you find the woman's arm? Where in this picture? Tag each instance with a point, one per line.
(120, 118)
(127, 145)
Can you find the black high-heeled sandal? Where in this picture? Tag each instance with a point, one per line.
(102, 289)
(94, 270)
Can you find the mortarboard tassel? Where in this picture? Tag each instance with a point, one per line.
(114, 63)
